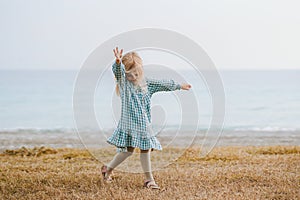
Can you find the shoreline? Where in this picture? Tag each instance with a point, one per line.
(71, 139)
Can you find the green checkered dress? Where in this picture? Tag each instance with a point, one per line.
(134, 128)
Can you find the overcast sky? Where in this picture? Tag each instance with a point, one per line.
(236, 34)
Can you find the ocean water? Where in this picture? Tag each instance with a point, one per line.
(36, 108)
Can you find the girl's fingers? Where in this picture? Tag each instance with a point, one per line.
(186, 86)
(118, 54)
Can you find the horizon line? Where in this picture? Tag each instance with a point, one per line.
(229, 69)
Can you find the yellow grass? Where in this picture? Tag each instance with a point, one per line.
(226, 173)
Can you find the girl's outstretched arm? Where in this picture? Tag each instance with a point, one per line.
(165, 85)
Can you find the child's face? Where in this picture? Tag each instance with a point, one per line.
(132, 76)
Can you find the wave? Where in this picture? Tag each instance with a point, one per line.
(59, 130)
(267, 129)
(37, 130)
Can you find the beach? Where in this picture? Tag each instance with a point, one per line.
(248, 172)
(43, 155)
(97, 139)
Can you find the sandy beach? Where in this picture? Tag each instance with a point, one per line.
(269, 172)
(95, 139)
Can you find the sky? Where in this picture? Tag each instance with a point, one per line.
(236, 34)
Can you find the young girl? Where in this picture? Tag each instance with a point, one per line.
(133, 130)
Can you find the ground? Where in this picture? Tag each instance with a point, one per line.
(271, 172)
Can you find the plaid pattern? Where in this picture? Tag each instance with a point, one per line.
(134, 128)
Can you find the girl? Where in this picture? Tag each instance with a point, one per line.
(133, 130)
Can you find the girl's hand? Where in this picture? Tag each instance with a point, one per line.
(118, 55)
(185, 86)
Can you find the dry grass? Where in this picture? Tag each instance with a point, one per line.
(227, 173)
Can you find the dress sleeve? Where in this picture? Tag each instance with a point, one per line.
(118, 70)
(162, 85)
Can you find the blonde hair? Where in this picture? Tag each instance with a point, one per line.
(132, 61)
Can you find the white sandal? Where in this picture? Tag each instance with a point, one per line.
(105, 175)
(151, 184)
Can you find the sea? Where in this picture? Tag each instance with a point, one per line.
(261, 108)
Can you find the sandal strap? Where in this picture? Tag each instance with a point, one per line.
(104, 173)
(151, 184)
(104, 170)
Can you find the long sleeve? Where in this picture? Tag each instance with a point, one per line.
(162, 85)
(118, 70)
